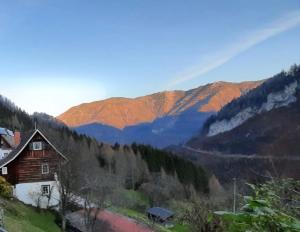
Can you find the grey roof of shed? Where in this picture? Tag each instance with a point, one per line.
(160, 212)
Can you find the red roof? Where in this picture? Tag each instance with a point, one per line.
(108, 221)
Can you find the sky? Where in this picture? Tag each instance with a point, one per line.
(55, 54)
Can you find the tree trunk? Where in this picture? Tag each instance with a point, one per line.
(63, 223)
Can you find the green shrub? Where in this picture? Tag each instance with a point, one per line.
(200, 218)
(5, 188)
(261, 212)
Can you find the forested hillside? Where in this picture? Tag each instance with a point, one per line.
(265, 121)
(13, 117)
(255, 98)
(137, 167)
(254, 136)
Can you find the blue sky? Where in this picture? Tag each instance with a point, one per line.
(55, 54)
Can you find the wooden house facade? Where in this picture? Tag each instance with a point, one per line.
(32, 169)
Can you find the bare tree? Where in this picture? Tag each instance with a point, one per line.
(199, 216)
(91, 209)
(96, 194)
(66, 186)
(40, 199)
(162, 187)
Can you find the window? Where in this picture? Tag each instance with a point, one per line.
(45, 189)
(45, 168)
(37, 146)
(4, 171)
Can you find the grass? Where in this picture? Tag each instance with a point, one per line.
(22, 218)
(136, 196)
(180, 228)
(136, 210)
(134, 200)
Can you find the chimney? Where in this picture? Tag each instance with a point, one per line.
(17, 136)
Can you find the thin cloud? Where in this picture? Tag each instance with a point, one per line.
(211, 62)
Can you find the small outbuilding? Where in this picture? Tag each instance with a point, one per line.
(160, 215)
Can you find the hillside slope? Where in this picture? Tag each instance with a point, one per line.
(19, 217)
(121, 112)
(159, 119)
(101, 158)
(266, 121)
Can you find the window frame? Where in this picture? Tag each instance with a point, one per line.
(48, 189)
(40, 148)
(48, 168)
(2, 171)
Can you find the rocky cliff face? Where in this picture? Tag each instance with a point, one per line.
(265, 121)
(274, 100)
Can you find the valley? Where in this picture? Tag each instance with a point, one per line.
(131, 176)
(149, 116)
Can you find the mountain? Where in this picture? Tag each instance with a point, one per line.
(134, 165)
(121, 112)
(255, 137)
(118, 171)
(265, 121)
(160, 119)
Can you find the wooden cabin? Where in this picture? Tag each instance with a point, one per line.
(32, 168)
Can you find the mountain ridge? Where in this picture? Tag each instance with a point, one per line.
(160, 104)
(160, 119)
(121, 117)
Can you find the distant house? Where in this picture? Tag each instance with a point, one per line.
(160, 215)
(31, 167)
(7, 142)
